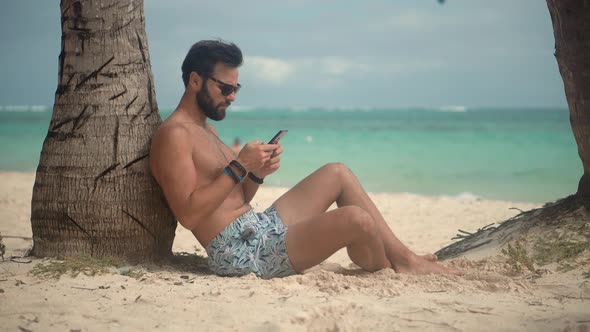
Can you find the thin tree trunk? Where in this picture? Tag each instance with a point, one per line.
(571, 28)
(93, 193)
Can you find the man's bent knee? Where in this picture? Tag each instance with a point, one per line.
(361, 221)
(340, 169)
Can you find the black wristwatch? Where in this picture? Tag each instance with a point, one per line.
(255, 178)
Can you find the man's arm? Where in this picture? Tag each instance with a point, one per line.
(172, 165)
(250, 188)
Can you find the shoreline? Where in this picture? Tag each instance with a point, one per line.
(466, 196)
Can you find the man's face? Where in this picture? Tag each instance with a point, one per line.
(210, 97)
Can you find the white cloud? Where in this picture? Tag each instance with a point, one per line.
(269, 69)
(330, 72)
(341, 66)
(411, 66)
(365, 66)
(274, 70)
(337, 65)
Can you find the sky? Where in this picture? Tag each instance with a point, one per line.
(473, 53)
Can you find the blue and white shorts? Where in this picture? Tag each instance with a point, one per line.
(255, 242)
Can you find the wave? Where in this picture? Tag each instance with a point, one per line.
(307, 109)
(465, 196)
(345, 109)
(453, 108)
(240, 108)
(297, 109)
(24, 108)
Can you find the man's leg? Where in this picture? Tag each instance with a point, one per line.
(311, 241)
(336, 183)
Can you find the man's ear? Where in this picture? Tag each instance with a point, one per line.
(195, 80)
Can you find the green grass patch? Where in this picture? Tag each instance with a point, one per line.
(518, 257)
(559, 250)
(88, 266)
(135, 273)
(562, 246)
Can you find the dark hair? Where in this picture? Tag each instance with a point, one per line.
(205, 54)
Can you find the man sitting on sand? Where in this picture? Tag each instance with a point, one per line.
(209, 188)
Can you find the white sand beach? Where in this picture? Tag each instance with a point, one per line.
(336, 296)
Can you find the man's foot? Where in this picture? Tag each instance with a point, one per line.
(421, 265)
(429, 257)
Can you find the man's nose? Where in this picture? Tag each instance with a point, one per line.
(232, 96)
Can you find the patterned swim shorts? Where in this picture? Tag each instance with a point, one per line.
(255, 242)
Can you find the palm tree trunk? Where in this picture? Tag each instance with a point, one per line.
(571, 27)
(93, 192)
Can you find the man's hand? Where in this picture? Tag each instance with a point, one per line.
(255, 155)
(273, 163)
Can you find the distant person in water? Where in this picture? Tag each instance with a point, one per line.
(237, 146)
(209, 189)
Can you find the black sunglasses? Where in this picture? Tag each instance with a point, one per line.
(226, 89)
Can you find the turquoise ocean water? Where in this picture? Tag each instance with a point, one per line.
(511, 154)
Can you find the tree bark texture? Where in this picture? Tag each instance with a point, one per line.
(571, 28)
(94, 194)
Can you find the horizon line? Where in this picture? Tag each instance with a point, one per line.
(238, 108)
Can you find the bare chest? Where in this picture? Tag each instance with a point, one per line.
(210, 157)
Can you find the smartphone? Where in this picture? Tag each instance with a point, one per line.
(278, 136)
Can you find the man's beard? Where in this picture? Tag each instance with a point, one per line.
(206, 104)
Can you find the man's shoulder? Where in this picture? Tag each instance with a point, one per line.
(176, 128)
(172, 130)
(171, 142)
(171, 135)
